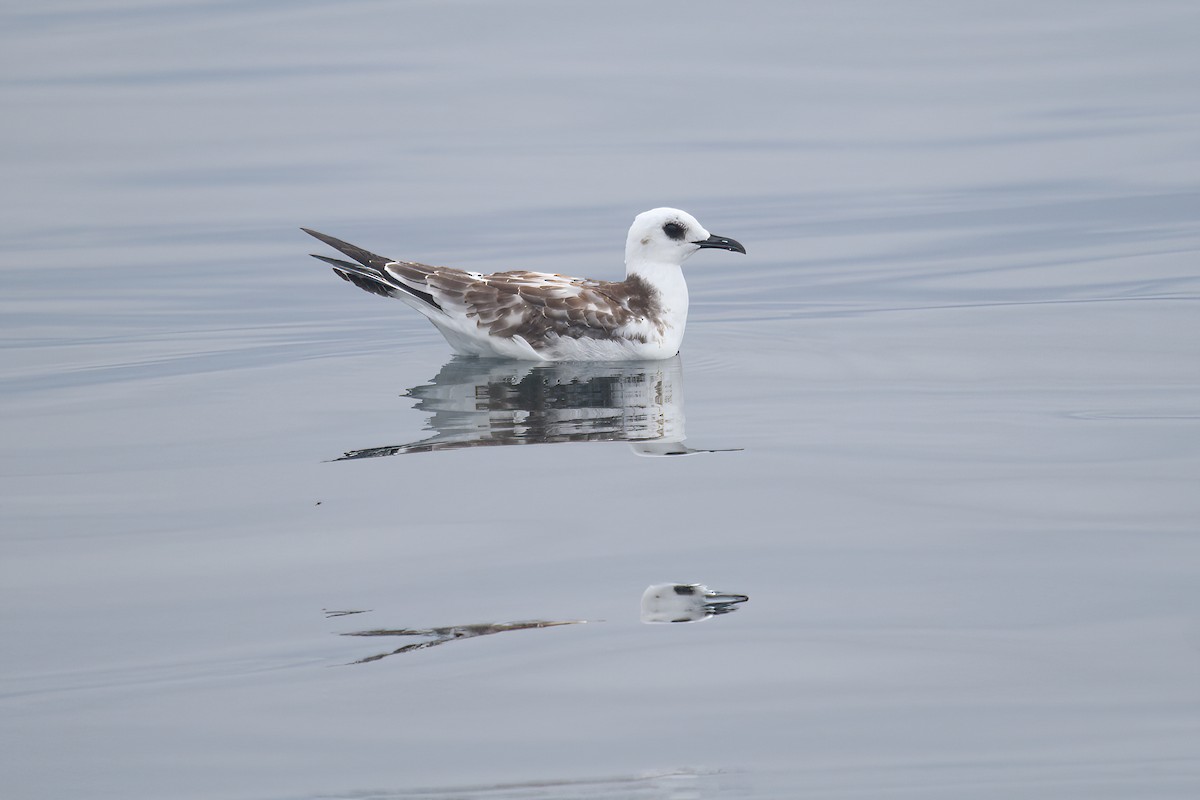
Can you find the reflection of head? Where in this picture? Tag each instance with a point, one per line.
(686, 602)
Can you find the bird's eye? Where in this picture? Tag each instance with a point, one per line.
(674, 230)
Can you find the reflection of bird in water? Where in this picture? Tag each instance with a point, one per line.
(662, 602)
(479, 403)
(538, 316)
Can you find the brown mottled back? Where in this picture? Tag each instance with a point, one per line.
(540, 307)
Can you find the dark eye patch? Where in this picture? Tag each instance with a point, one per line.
(674, 230)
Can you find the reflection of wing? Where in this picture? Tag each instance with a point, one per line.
(452, 633)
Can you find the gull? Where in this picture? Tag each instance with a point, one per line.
(539, 316)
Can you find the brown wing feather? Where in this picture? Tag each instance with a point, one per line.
(539, 307)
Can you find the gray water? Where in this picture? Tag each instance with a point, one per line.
(951, 391)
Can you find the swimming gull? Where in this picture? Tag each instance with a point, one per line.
(542, 316)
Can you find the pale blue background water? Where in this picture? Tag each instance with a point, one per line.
(962, 358)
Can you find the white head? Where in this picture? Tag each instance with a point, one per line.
(668, 236)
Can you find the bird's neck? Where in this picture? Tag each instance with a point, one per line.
(666, 279)
(666, 304)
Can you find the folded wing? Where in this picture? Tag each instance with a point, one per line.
(539, 307)
(536, 306)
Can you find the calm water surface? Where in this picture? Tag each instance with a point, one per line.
(941, 424)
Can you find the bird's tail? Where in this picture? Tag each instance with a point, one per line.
(370, 273)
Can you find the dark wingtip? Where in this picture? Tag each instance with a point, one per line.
(364, 257)
(317, 235)
(326, 238)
